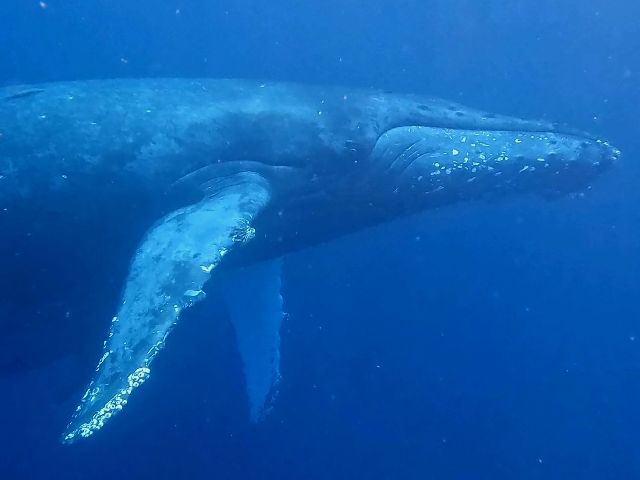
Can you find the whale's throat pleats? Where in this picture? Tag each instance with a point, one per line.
(167, 275)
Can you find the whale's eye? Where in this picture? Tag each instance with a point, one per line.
(459, 114)
(424, 108)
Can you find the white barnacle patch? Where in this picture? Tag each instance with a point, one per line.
(250, 233)
(524, 169)
(244, 233)
(138, 377)
(102, 359)
(454, 152)
(193, 293)
(113, 406)
(207, 268)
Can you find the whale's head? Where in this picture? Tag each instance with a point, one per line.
(455, 153)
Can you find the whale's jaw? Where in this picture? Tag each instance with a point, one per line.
(422, 166)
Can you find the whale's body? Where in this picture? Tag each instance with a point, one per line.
(229, 174)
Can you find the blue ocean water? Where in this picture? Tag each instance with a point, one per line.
(492, 340)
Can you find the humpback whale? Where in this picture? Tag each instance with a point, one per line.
(227, 176)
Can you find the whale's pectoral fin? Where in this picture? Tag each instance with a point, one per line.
(168, 272)
(254, 302)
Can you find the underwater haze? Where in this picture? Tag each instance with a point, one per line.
(493, 339)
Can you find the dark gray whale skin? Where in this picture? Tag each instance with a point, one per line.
(93, 161)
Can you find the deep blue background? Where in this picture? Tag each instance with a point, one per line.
(485, 341)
